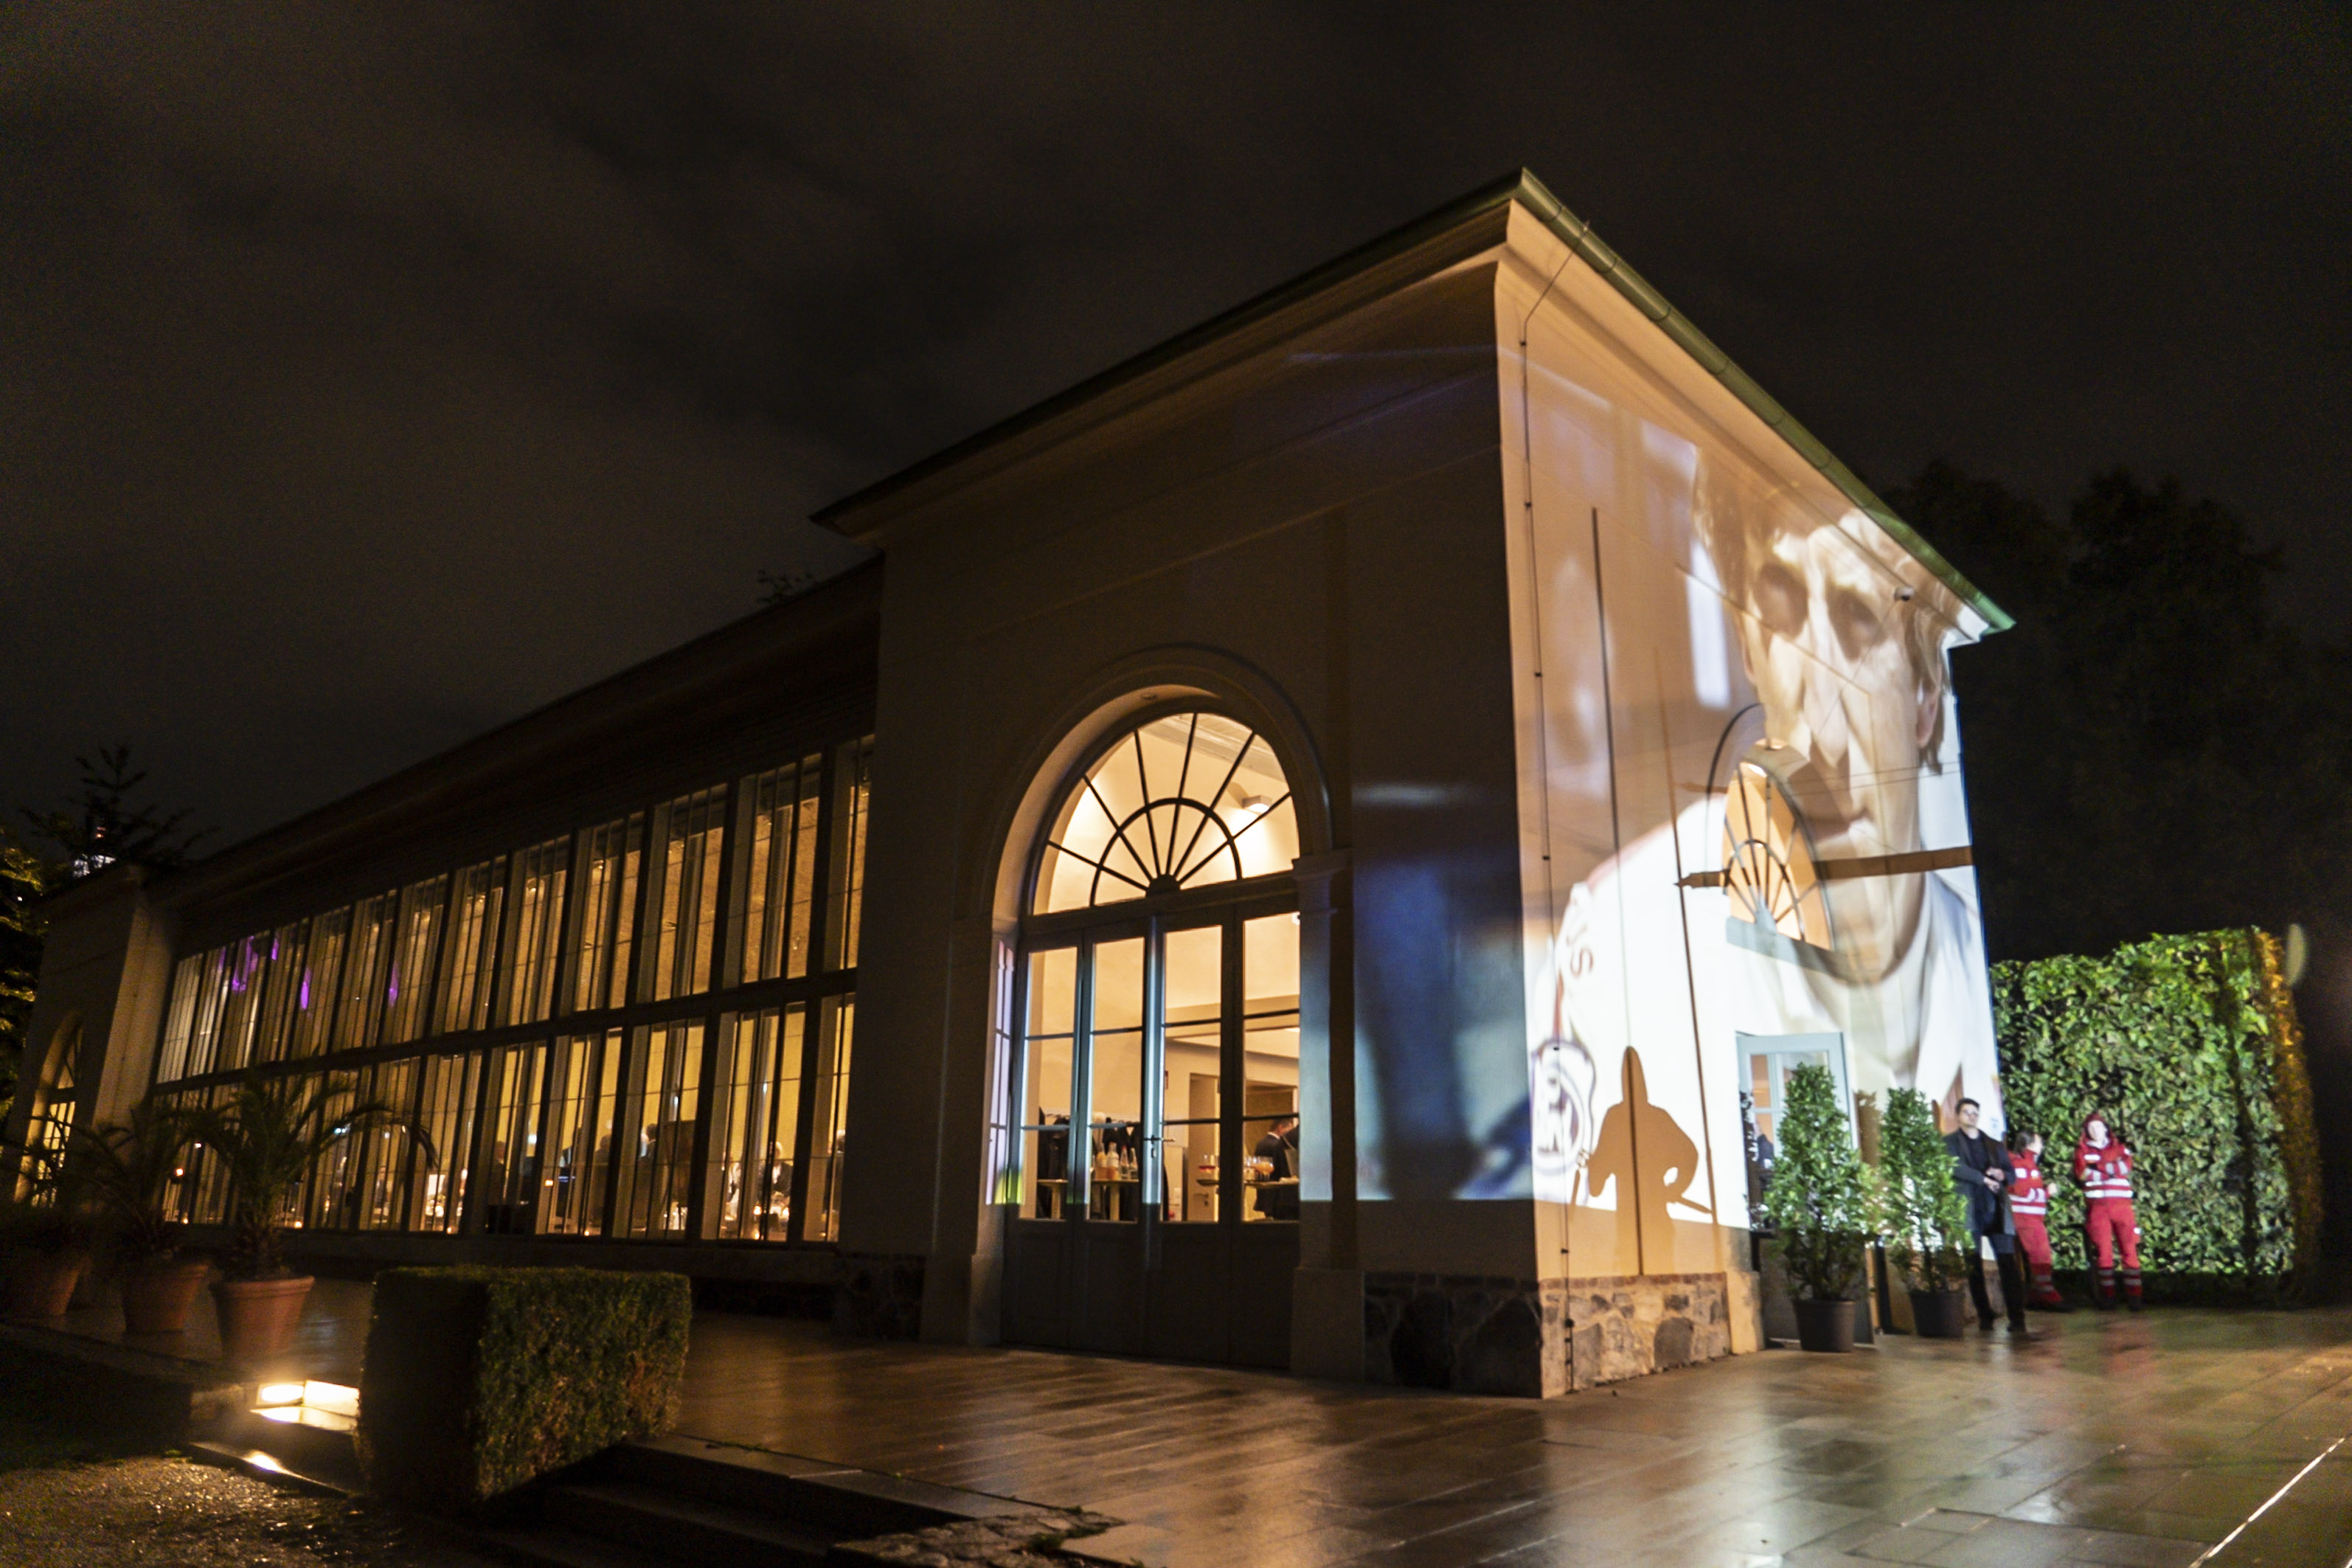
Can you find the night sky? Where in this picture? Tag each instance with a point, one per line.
(372, 375)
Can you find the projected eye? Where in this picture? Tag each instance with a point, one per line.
(1855, 618)
(1781, 599)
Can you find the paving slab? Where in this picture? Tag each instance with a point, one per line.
(2094, 1442)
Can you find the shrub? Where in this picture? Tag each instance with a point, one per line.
(2191, 1044)
(1926, 1217)
(477, 1380)
(1820, 1201)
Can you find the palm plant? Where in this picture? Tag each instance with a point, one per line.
(1820, 1201)
(1926, 1217)
(42, 1205)
(128, 1168)
(45, 1221)
(269, 1136)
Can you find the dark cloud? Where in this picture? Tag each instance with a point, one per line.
(372, 374)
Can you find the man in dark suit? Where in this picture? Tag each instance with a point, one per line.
(1279, 1148)
(1980, 1167)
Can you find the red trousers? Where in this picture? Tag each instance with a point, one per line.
(2033, 1240)
(2110, 1223)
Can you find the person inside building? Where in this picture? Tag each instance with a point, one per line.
(1980, 1165)
(1276, 1162)
(2102, 1164)
(2029, 1209)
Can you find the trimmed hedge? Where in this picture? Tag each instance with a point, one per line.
(2191, 1043)
(478, 1379)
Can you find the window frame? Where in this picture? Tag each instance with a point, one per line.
(827, 994)
(1227, 905)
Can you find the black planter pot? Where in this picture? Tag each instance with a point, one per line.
(1824, 1325)
(1940, 1314)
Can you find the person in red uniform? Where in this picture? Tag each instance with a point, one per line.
(2028, 1205)
(2102, 1164)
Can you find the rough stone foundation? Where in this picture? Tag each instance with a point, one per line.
(880, 1296)
(1477, 1335)
(1636, 1324)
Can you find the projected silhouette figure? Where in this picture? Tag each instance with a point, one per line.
(1653, 1162)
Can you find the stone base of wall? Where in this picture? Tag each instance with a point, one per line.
(1472, 1335)
(1532, 1338)
(880, 1296)
(1636, 1324)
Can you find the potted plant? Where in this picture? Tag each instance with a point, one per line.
(45, 1228)
(1926, 1218)
(269, 1136)
(1822, 1206)
(128, 1168)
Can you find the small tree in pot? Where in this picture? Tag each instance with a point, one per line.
(45, 1227)
(128, 1168)
(1822, 1204)
(268, 1137)
(1926, 1217)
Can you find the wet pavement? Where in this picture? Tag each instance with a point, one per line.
(327, 1343)
(2117, 1440)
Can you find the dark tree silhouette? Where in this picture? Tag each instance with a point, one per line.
(103, 826)
(2150, 748)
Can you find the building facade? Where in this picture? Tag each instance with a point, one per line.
(1316, 849)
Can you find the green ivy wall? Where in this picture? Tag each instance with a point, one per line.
(2191, 1043)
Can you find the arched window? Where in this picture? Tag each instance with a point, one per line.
(1768, 861)
(50, 1125)
(1155, 1068)
(1181, 802)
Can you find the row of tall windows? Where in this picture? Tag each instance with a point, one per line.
(547, 931)
(608, 1133)
(722, 1121)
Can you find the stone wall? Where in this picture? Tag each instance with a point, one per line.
(1471, 1333)
(1632, 1325)
(1476, 1334)
(880, 1296)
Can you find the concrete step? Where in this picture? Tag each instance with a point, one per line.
(550, 1548)
(315, 1444)
(842, 1503)
(681, 1529)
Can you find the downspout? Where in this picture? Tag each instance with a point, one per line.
(1535, 623)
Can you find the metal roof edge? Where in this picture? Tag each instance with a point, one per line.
(1522, 187)
(1577, 236)
(826, 609)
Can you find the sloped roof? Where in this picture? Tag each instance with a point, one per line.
(1531, 193)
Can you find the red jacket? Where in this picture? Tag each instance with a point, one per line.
(2105, 1172)
(2029, 1190)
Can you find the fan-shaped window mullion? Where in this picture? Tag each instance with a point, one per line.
(1143, 774)
(1208, 807)
(1166, 852)
(1119, 832)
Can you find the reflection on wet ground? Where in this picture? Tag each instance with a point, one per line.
(2116, 1440)
(2108, 1440)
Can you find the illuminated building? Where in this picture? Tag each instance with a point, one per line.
(1443, 700)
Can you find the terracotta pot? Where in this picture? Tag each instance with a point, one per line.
(41, 1284)
(158, 1295)
(1825, 1325)
(1940, 1314)
(257, 1316)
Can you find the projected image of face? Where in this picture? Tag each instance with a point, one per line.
(1760, 889)
(1852, 690)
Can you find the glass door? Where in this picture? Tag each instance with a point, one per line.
(1158, 1114)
